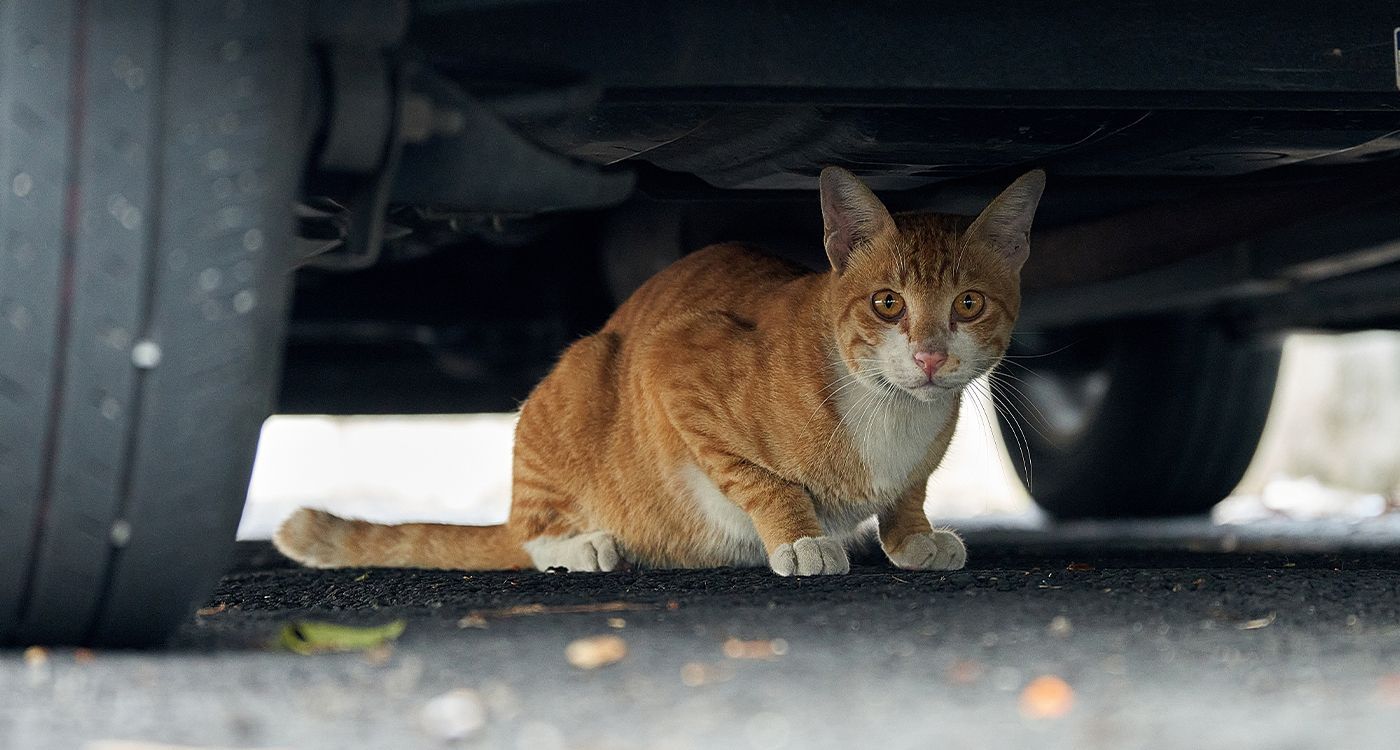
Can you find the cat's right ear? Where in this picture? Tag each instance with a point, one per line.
(851, 215)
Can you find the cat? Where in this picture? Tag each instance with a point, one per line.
(738, 410)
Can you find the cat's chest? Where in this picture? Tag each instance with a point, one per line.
(892, 436)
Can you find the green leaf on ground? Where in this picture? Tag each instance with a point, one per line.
(310, 637)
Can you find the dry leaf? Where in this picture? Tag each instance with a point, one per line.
(214, 610)
(1079, 567)
(1257, 623)
(1047, 697)
(472, 620)
(596, 651)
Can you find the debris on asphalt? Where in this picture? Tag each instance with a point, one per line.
(139, 745)
(1115, 664)
(965, 671)
(207, 611)
(36, 662)
(1006, 679)
(1079, 567)
(596, 651)
(735, 648)
(526, 610)
(1060, 626)
(379, 655)
(310, 637)
(1388, 690)
(454, 715)
(617, 623)
(1046, 697)
(502, 700)
(699, 674)
(36, 656)
(1259, 622)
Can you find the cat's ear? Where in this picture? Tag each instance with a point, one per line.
(1005, 224)
(851, 215)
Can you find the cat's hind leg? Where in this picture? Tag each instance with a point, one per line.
(590, 552)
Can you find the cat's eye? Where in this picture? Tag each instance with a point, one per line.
(888, 304)
(969, 305)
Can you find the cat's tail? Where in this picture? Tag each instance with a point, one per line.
(319, 539)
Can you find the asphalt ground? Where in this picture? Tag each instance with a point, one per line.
(1092, 636)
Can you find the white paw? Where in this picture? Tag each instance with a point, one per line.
(810, 556)
(936, 550)
(594, 552)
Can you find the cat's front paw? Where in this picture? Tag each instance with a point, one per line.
(593, 552)
(935, 550)
(810, 556)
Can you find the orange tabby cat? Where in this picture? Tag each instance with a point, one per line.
(737, 410)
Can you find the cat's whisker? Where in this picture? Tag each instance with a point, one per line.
(993, 443)
(982, 412)
(850, 379)
(1037, 356)
(855, 407)
(1029, 371)
(1001, 379)
(1024, 409)
(1018, 435)
(1023, 439)
(1011, 405)
(887, 393)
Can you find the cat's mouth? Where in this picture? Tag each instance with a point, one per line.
(924, 389)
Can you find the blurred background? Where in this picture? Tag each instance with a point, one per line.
(1329, 452)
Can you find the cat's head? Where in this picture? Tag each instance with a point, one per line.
(924, 302)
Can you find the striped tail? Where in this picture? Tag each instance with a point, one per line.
(319, 539)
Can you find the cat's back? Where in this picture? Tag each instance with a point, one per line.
(731, 278)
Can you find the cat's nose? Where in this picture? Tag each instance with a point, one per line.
(929, 362)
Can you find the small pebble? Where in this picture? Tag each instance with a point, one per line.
(596, 651)
(1047, 697)
(454, 715)
(36, 656)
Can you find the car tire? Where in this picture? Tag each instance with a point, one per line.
(148, 161)
(1134, 419)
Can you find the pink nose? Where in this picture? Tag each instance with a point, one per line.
(929, 362)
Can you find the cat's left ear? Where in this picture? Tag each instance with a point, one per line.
(1005, 224)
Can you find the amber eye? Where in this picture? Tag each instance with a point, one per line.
(969, 305)
(888, 304)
